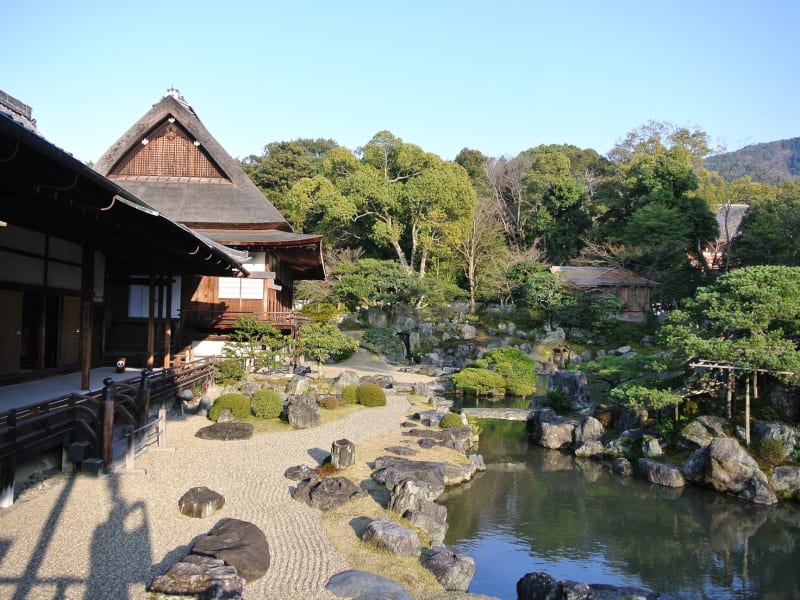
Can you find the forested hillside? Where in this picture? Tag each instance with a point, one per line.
(771, 162)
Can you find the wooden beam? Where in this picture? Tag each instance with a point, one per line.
(151, 323)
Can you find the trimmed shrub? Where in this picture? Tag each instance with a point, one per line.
(472, 380)
(267, 404)
(515, 367)
(451, 420)
(370, 394)
(349, 394)
(238, 404)
(229, 370)
(330, 402)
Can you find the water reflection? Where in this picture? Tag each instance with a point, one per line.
(536, 509)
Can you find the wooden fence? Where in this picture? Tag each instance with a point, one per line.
(89, 424)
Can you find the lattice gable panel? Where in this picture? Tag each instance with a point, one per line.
(168, 151)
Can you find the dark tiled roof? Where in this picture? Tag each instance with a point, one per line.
(191, 200)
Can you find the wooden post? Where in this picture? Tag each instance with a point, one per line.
(729, 395)
(87, 300)
(755, 385)
(108, 423)
(343, 454)
(143, 401)
(747, 412)
(8, 468)
(168, 322)
(151, 323)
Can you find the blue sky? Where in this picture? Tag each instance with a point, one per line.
(497, 76)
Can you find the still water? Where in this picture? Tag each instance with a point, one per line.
(541, 510)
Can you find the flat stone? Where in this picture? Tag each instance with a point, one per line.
(200, 502)
(392, 537)
(360, 584)
(299, 473)
(197, 577)
(402, 450)
(226, 431)
(327, 493)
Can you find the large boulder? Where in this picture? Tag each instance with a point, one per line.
(239, 544)
(391, 470)
(786, 481)
(622, 466)
(409, 494)
(542, 586)
(659, 473)
(303, 412)
(727, 467)
(298, 384)
(344, 379)
(392, 537)
(360, 584)
(452, 569)
(575, 385)
(200, 502)
(777, 430)
(327, 493)
(429, 517)
(227, 431)
(588, 429)
(590, 449)
(700, 432)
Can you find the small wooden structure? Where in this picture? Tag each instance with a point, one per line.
(630, 288)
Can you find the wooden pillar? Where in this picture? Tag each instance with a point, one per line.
(151, 323)
(87, 302)
(729, 395)
(8, 466)
(755, 385)
(108, 424)
(168, 322)
(747, 411)
(143, 400)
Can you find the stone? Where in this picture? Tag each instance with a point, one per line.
(477, 461)
(392, 537)
(327, 493)
(588, 429)
(344, 379)
(651, 447)
(700, 432)
(555, 435)
(427, 443)
(303, 413)
(402, 450)
(299, 473)
(537, 586)
(298, 384)
(225, 416)
(197, 577)
(239, 544)
(589, 449)
(435, 527)
(343, 454)
(622, 466)
(360, 584)
(200, 502)
(227, 431)
(468, 332)
(384, 381)
(576, 386)
(727, 468)
(630, 418)
(542, 586)
(659, 473)
(392, 470)
(452, 569)
(786, 481)
(409, 494)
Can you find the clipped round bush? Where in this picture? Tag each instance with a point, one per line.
(515, 367)
(267, 404)
(330, 402)
(370, 394)
(229, 370)
(237, 403)
(451, 420)
(349, 394)
(471, 380)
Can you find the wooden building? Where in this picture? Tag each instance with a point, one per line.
(169, 159)
(632, 290)
(69, 240)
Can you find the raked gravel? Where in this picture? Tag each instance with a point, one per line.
(107, 537)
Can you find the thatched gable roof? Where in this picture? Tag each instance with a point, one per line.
(170, 160)
(729, 219)
(600, 277)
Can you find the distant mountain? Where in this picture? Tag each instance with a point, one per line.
(772, 162)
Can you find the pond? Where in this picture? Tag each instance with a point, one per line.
(542, 510)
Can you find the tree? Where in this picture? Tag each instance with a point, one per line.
(321, 341)
(257, 343)
(771, 229)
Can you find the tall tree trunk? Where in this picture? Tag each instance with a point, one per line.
(747, 412)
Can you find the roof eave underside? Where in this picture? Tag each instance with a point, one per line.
(47, 190)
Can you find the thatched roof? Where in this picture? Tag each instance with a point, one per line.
(599, 277)
(170, 160)
(729, 219)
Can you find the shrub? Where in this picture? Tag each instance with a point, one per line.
(349, 394)
(557, 399)
(330, 402)
(515, 367)
(228, 371)
(770, 450)
(237, 403)
(451, 420)
(472, 380)
(370, 394)
(267, 404)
